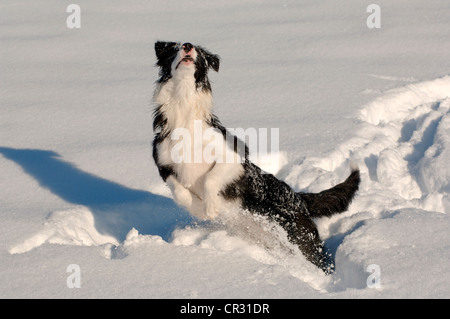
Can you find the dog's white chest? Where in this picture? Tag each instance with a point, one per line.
(185, 109)
(184, 150)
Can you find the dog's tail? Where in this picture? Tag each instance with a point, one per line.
(334, 200)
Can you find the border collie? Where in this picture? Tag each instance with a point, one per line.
(183, 100)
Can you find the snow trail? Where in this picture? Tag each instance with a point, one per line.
(401, 146)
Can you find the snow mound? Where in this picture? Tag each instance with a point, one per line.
(402, 147)
(69, 227)
(399, 244)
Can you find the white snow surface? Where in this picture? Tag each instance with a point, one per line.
(78, 184)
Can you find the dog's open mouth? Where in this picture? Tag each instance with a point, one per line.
(186, 60)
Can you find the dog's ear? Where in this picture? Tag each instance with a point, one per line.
(164, 50)
(213, 60)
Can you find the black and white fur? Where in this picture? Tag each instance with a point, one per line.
(183, 95)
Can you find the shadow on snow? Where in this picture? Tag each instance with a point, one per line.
(116, 208)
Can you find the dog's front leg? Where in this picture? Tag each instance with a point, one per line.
(181, 195)
(221, 175)
(185, 198)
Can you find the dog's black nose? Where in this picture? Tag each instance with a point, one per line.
(187, 47)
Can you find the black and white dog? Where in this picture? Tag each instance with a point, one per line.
(203, 186)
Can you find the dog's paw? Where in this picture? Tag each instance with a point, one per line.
(211, 210)
(182, 196)
(212, 204)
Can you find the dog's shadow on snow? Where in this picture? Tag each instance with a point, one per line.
(116, 208)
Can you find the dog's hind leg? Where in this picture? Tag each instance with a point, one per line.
(276, 200)
(302, 232)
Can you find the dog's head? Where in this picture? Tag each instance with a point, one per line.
(173, 58)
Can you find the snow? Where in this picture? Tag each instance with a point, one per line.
(78, 184)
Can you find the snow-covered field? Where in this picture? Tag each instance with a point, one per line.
(79, 187)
